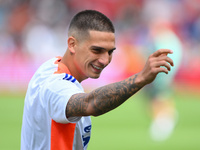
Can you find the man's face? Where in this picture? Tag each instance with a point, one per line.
(94, 54)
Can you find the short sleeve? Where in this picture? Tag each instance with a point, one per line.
(56, 94)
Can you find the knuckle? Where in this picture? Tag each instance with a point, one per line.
(154, 70)
(151, 60)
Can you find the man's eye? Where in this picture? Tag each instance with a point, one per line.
(96, 50)
(110, 52)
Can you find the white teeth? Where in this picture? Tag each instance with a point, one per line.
(97, 67)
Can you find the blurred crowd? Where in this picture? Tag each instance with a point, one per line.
(33, 31)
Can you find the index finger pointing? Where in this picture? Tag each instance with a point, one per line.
(162, 51)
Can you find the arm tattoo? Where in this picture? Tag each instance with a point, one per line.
(102, 99)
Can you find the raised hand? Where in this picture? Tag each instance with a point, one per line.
(157, 62)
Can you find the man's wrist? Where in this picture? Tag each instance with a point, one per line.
(139, 80)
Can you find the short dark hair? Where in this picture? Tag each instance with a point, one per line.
(87, 20)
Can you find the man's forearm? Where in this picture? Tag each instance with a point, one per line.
(103, 99)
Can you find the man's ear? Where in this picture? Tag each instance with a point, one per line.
(71, 44)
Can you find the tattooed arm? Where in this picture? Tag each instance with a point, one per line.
(102, 99)
(109, 97)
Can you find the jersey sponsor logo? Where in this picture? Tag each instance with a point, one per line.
(88, 128)
(86, 136)
(69, 78)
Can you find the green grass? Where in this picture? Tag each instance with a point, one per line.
(125, 128)
(11, 109)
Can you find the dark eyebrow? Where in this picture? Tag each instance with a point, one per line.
(113, 49)
(100, 48)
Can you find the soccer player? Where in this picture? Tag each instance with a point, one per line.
(160, 92)
(56, 110)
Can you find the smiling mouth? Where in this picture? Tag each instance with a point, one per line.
(98, 68)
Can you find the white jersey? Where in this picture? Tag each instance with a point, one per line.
(45, 126)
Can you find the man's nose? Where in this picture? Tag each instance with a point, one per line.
(105, 59)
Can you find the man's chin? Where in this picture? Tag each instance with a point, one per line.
(95, 76)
